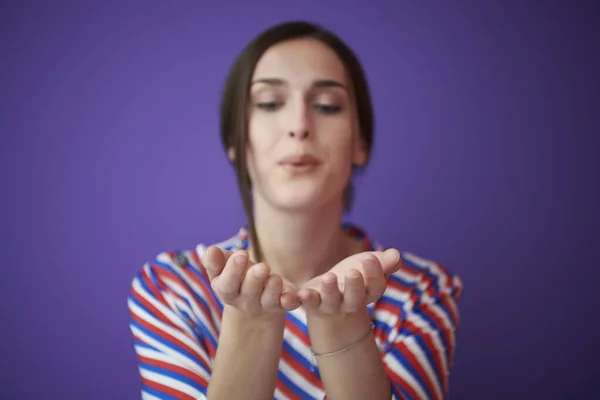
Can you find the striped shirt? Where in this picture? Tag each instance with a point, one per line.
(176, 320)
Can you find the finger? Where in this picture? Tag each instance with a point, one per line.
(309, 298)
(375, 281)
(391, 261)
(229, 281)
(271, 295)
(254, 281)
(289, 297)
(330, 294)
(213, 261)
(289, 301)
(355, 294)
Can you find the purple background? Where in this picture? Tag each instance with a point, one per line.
(483, 161)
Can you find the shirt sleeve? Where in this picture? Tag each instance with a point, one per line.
(420, 342)
(174, 321)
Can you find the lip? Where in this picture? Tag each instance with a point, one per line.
(299, 164)
(304, 159)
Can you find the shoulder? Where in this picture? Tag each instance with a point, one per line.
(178, 272)
(429, 275)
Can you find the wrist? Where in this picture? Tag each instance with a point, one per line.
(332, 332)
(252, 321)
(341, 321)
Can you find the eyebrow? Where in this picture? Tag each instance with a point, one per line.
(320, 83)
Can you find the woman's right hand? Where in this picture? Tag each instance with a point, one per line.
(250, 288)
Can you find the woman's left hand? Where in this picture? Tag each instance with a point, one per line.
(351, 284)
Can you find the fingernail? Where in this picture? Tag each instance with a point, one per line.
(260, 272)
(354, 274)
(393, 254)
(240, 259)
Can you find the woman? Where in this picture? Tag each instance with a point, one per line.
(300, 304)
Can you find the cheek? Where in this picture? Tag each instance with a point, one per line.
(262, 139)
(338, 143)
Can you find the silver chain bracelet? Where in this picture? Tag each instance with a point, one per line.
(313, 354)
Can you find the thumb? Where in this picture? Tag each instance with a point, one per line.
(391, 261)
(214, 260)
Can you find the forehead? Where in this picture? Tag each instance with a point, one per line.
(300, 61)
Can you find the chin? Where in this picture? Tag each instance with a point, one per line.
(301, 201)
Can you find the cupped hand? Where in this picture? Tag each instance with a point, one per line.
(250, 288)
(351, 284)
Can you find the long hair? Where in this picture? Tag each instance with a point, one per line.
(234, 103)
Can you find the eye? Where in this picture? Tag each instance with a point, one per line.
(327, 108)
(269, 106)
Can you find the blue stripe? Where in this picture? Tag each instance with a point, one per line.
(293, 388)
(382, 326)
(299, 358)
(400, 393)
(145, 286)
(410, 368)
(423, 270)
(157, 394)
(172, 346)
(202, 301)
(143, 307)
(139, 343)
(174, 375)
(428, 354)
(437, 328)
(409, 284)
(297, 323)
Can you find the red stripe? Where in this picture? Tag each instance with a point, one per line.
(399, 382)
(153, 310)
(404, 289)
(150, 284)
(207, 295)
(426, 336)
(175, 368)
(297, 332)
(172, 340)
(301, 370)
(286, 391)
(443, 329)
(167, 390)
(405, 350)
(446, 301)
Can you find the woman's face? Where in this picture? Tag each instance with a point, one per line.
(302, 136)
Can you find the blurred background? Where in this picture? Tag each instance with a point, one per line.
(484, 160)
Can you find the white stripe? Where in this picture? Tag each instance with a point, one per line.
(143, 314)
(279, 395)
(200, 317)
(446, 322)
(416, 350)
(431, 267)
(401, 296)
(387, 318)
(148, 396)
(172, 383)
(166, 311)
(182, 359)
(399, 369)
(192, 364)
(183, 292)
(159, 356)
(434, 334)
(299, 380)
(296, 344)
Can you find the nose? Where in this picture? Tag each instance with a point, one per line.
(299, 133)
(299, 124)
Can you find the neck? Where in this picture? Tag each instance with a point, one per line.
(300, 246)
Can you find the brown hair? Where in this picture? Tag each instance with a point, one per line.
(234, 103)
